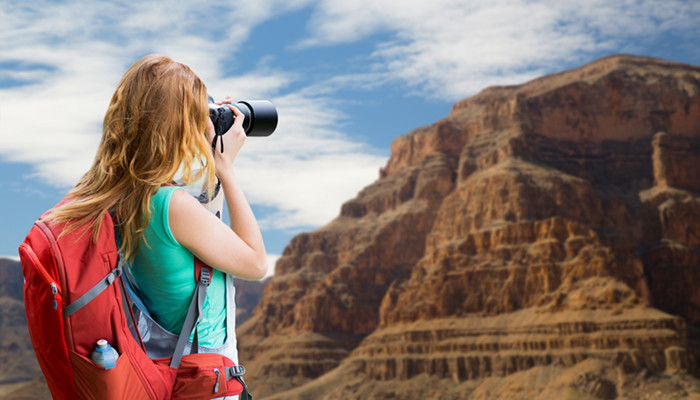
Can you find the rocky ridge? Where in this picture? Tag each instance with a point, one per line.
(18, 365)
(551, 226)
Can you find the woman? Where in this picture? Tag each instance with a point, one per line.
(155, 131)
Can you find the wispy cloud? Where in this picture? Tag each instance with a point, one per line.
(51, 113)
(452, 48)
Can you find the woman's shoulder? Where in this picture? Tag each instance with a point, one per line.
(161, 200)
(184, 210)
(191, 224)
(178, 197)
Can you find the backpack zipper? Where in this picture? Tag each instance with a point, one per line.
(54, 290)
(44, 273)
(218, 373)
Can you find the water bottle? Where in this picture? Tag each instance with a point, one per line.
(105, 355)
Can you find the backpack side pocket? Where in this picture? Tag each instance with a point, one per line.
(93, 381)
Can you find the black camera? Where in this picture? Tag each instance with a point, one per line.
(260, 117)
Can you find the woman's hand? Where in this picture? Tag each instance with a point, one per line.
(233, 140)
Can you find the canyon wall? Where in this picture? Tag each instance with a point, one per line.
(551, 227)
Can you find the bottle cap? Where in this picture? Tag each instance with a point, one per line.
(102, 343)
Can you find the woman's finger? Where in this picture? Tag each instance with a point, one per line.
(226, 100)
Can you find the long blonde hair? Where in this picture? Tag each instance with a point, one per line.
(154, 127)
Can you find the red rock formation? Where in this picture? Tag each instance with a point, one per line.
(537, 226)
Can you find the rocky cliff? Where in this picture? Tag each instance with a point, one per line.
(248, 294)
(542, 239)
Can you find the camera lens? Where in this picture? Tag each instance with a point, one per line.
(260, 117)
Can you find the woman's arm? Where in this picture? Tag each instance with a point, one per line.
(239, 249)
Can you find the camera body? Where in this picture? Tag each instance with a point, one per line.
(260, 117)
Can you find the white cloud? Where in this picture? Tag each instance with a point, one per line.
(453, 48)
(314, 167)
(271, 261)
(69, 65)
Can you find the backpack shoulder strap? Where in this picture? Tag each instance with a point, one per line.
(194, 313)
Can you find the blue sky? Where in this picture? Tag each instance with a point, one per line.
(347, 77)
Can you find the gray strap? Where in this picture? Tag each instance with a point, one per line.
(201, 294)
(95, 291)
(134, 293)
(193, 315)
(236, 372)
(245, 394)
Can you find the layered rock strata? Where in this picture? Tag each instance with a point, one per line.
(537, 225)
(475, 347)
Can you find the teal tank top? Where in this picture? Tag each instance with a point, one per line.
(164, 273)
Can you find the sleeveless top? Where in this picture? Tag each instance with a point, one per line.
(163, 271)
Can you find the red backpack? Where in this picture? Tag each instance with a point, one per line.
(73, 292)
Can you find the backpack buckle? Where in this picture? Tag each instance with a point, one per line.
(205, 276)
(236, 370)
